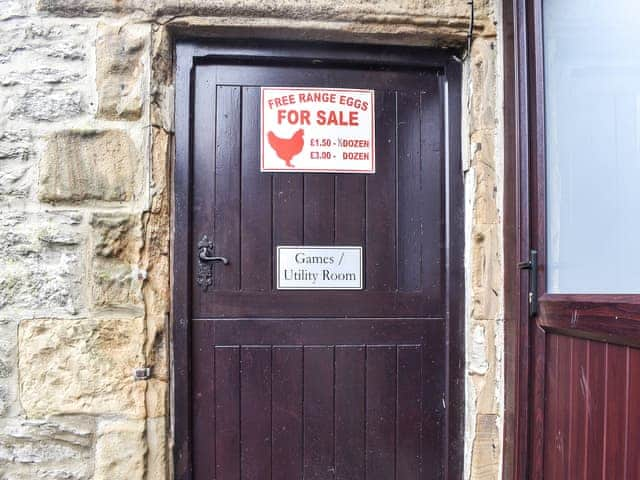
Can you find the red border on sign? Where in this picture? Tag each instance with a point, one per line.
(372, 168)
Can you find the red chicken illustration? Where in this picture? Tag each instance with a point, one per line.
(287, 148)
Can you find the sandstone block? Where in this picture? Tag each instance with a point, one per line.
(81, 366)
(119, 70)
(486, 273)
(116, 236)
(157, 435)
(293, 9)
(57, 448)
(117, 285)
(120, 450)
(486, 455)
(84, 165)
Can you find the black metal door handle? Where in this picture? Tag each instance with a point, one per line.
(205, 263)
(206, 258)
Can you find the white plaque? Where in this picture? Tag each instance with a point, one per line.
(319, 268)
(317, 130)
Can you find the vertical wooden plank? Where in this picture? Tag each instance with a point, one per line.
(349, 412)
(433, 390)
(287, 214)
(318, 413)
(616, 412)
(255, 412)
(563, 452)
(578, 400)
(409, 414)
(381, 199)
(432, 155)
(381, 412)
(596, 385)
(633, 422)
(286, 407)
(227, 399)
(227, 188)
(204, 113)
(551, 457)
(319, 209)
(255, 193)
(350, 222)
(288, 209)
(410, 204)
(203, 388)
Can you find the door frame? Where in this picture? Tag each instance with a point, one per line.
(188, 52)
(519, 142)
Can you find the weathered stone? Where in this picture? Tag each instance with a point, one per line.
(156, 398)
(117, 236)
(43, 75)
(387, 11)
(57, 448)
(8, 370)
(483, 111)
(15, 145)
(485, 206)
(486, 273)
(15, 163)
(155, 256)
(117, 285)
(119, 71)
(42, 40)
(40, 261)
(81, 165)
(117, 280)
(120, 450)
(81, 366)
(157, 435)
(486, 448)
(46, 104)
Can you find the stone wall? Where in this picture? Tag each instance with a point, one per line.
(86, 132)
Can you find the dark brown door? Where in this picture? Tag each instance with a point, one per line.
(321, 384)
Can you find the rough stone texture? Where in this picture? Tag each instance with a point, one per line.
(40, 261)
(117, 279)
(486, 448)
(485, 279)
(16, 163)
(120, 450)
(8, 368)
(56, 449)
(81, 366)
(119, 71)
(88, 164)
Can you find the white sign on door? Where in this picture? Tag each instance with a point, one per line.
(317, 130)
(319, 268)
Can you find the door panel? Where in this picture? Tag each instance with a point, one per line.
(585, 335)
(325, 384)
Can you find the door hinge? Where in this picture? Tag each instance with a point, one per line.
(532, 266)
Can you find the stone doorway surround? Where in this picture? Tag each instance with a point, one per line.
(86, 142)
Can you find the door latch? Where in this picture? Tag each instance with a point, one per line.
(532, 266)
(206, 261)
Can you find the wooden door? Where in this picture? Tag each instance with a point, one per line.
(577, 396)
(314, 384)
